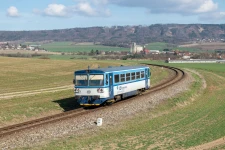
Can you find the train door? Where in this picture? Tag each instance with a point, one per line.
(146, 78)
(111, 91)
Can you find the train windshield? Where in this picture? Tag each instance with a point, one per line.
(96, 80)
(81, 80)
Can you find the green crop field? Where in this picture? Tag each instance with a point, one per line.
(72, 47)
(156, 46)
(68, 57)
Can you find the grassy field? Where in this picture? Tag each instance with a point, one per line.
(190, 119)
(23, 74)
(156, 46)
(72, 47)
(29, 74)
(68, 57)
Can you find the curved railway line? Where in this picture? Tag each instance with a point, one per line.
(178, 75)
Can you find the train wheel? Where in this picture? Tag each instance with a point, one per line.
(139, 92)
(118, 97)
(121, 97)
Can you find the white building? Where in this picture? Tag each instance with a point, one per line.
(136, 48)
(193, 61)
(186, 57)
(154, 52)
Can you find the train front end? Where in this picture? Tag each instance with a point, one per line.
(90, 88)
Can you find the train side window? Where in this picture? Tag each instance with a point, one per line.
(127, 76)
(107, 79)
(116, 78)
(122, 77)
(148, 73)
(110, 80)
(137, 75)
(133, 76)
(142, 74)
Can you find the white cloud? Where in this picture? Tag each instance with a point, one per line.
(90, 9)
(12, 12)
(207, 6)
(56, 10)
(95, 2)
(184, 7)
(85, 9)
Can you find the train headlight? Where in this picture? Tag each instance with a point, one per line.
(100, 90)
(77, 90)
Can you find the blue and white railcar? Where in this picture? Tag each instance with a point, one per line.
(101, 85)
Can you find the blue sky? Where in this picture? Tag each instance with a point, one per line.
(60, 14)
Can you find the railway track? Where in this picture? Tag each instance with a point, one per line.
(178, 75)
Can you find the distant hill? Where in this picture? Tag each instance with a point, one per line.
(122, 35)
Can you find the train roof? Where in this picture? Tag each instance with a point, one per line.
(112, 69)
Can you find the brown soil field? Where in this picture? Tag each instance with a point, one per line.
(206, 46)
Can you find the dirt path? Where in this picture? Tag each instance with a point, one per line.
(27, 93)
(209, 145)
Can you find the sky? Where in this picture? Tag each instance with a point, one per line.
(27, 15)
